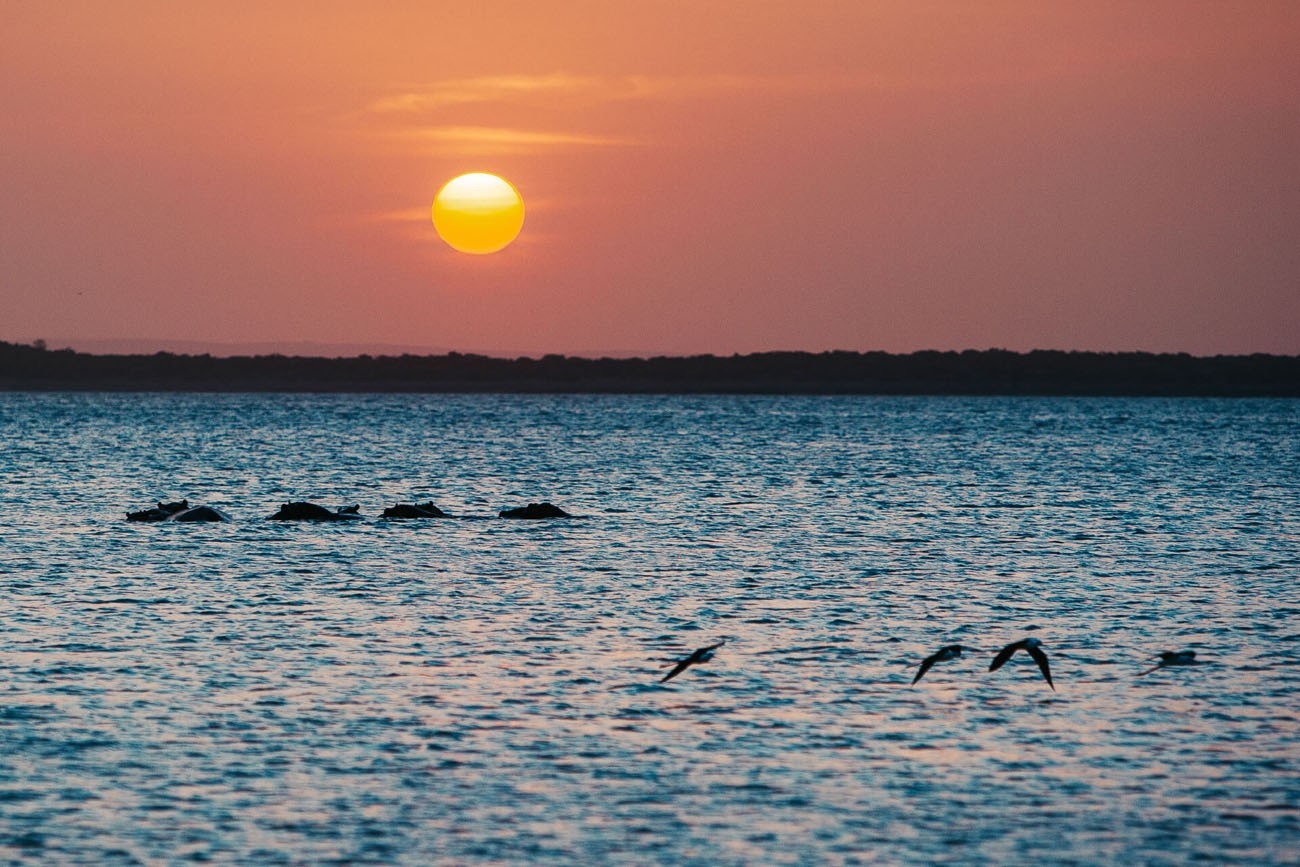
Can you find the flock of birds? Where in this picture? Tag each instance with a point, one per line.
(1031, 646)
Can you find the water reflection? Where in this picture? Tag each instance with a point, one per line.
(477, 690)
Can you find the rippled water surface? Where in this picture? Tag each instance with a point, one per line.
(484, 691)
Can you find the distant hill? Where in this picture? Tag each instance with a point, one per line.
(989, 372)
(148, 346)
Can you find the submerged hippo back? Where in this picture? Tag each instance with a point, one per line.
(303, 512)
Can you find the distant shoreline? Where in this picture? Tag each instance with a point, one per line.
(970, 372)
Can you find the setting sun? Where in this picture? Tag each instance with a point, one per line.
(478, 213)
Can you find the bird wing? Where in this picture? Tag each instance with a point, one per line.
(699, 655)
(1003, 655)
(926, 665)
(1041, 659)
(679, 668)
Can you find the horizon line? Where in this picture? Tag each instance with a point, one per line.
(343, 351)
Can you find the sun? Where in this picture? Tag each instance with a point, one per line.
(478, 213)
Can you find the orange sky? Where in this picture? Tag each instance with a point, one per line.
(722, 176)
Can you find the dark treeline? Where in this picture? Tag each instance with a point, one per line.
(994, 371)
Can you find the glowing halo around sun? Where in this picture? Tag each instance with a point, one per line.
(478, 213)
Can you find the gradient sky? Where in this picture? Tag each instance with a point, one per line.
(700, 177)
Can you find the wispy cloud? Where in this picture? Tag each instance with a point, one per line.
(502, 140)
(495, 88)
(432, 96)
(405, 215)
(433, 115)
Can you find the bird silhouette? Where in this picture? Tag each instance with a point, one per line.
(703, 654)
(1032, 647)
(1173, 657)
(943, 654)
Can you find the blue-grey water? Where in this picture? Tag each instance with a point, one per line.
(485, 691)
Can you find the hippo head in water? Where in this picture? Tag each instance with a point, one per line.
(535, 511)
(311, 512)
(180, 511)
(418, 510)
(200, 514)
(161, 512)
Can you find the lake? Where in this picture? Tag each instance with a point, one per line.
(476, 690)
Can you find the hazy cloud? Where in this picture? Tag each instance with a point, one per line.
(495, 88)
(411, 113)
(405, 215)
(498, 140)
(518, 88)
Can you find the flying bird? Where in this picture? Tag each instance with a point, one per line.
(943, 654)
(704, 654)
(1030, 646)
(1173, 657)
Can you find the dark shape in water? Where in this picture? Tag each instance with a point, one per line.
(312, 512)
(179, 511)
(1030, 646)
(418, 510)
(200, 514)
(535, 511)
(943, 654)
(161, 512)
(1173, 657)
(704, 654)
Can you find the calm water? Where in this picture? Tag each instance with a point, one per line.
(482, 691)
